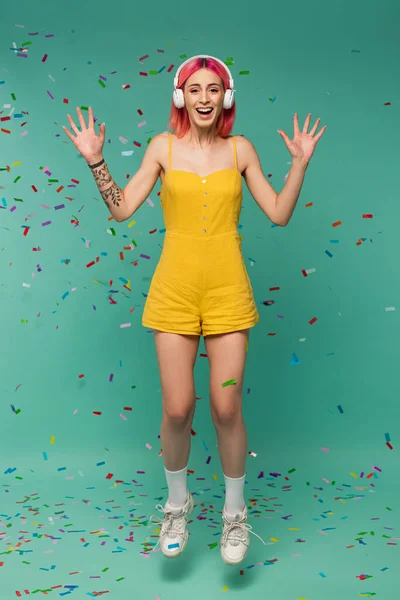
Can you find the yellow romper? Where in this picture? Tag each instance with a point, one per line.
(201, 285)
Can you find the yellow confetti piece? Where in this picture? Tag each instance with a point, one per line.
(52, 439)
(225, 589)
(215, 476)
(131, 224)
(274, 539)
(353, 475)
(294, 528)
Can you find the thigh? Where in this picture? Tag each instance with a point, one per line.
(227, 357)
(176, 355)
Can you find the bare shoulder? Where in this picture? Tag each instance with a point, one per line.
(159, 138)
(247, 153)
(162, 136)
(156, 148)
(161, 147)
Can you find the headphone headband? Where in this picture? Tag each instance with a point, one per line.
(231, 84)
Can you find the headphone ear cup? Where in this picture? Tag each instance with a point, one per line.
(229, 98)
(178, 98)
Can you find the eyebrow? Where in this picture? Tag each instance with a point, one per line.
(208, 84)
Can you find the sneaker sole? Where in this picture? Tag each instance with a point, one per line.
(229, 561)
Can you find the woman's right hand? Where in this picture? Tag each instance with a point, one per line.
(86, 141)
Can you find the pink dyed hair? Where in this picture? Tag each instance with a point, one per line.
(179, 121)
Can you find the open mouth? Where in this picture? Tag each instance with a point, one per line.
(204, 113)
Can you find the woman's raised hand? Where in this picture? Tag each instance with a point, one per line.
(86, 141)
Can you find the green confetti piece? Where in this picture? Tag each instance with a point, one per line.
(135, 244)
(214, 545)
(292, 471)
(101, 82)
(230, 382)
(112, 231)
(153, 72)
(244, 72)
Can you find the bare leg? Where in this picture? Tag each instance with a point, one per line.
(232, 448)
(176, 356)
(227, 356)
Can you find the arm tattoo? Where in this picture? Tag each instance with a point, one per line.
(110, 191)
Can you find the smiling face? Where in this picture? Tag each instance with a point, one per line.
(204, 89)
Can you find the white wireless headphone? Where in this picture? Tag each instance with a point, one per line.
(229, 97)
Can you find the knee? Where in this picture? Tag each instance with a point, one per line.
(225, 413)
(178, 413)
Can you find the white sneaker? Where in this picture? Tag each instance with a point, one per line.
(174, 534)
(235, 539)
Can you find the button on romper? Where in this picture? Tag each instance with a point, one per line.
(200, 285)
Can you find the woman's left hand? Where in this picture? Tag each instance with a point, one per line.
(303, 144)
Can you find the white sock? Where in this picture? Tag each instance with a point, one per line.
(234, 499)
(177, 488)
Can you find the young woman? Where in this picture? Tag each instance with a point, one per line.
(200, 285)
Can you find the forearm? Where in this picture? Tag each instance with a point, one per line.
(110, 191)
(287, 199)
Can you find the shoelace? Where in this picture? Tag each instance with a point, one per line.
(168, 519)
(241, 526)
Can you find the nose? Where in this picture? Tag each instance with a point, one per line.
(203, 96)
